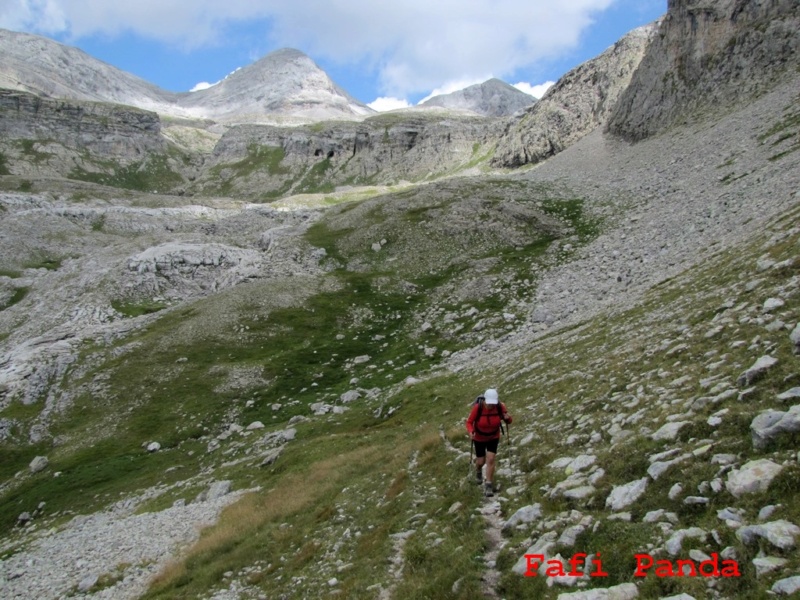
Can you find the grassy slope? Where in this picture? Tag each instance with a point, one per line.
(178, 382)
(329, 506)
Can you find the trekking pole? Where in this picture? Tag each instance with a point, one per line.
(471, 446)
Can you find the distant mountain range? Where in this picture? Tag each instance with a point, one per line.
(283, 87)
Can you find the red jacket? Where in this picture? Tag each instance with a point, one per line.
(488, 426)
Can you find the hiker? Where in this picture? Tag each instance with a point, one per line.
(484, 426)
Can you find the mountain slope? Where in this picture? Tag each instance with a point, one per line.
(43, 67)
(492, 98)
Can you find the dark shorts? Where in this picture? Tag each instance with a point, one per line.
(481, 448)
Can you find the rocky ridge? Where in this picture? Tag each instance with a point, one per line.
(579, 102)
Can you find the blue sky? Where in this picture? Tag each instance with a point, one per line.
(401, 51)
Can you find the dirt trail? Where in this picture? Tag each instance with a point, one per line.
(491, 511)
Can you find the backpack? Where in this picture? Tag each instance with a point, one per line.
(479, 402)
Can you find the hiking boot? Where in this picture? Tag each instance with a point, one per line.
(479, 477)
(488, 490)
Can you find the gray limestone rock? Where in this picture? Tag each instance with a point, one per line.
(781, 534)
(87, 583)
(543, 545)
(215, 491)
(794, 338)
(754, 476)
(759, 368)
(787, 586)
(623, 496)
(792, 394)
(669, 431)
(767, 564)
(772, 424)
(526, 514)
(579, 102)
(623, 591)
(674, 544)
(707, 56)
(38, 464)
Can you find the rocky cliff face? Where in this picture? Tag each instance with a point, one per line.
(97, 127)
(578, 103)
(492, 98)
(264, 161)
(82, 140)
(708, 56)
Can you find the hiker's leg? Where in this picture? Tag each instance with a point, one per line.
(491, 453)
(480, 459)
(490, 456)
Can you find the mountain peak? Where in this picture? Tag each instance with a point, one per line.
(492, 98)
(284, 84)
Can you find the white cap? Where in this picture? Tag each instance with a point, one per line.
(490, 396)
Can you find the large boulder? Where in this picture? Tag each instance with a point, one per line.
(771, 424)
(753, 477)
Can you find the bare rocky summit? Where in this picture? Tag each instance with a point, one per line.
(492, 98)
(284, 85)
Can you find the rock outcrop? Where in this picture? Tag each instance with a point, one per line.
(181, 270)
(93, 141)
(271, 161)
(708, 56)
(578, 103)
(105, 129)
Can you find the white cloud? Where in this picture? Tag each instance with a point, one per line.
(412, 45)
(383, 104)
(203, 85)
(20, 14)
(537, 91)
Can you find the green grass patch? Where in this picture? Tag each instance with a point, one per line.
(573, 212)
(17, 297)
(314, 180)
(137, 309)
(50, 263)
(153, 174)
(29, 151)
